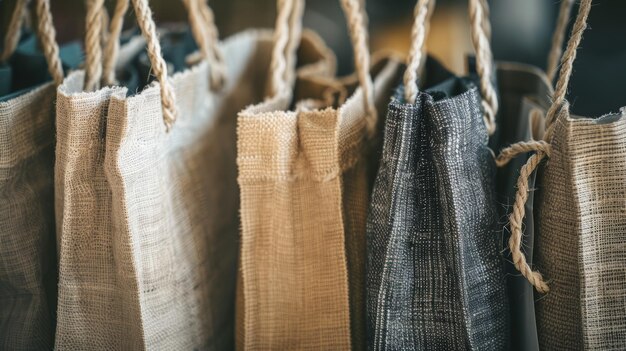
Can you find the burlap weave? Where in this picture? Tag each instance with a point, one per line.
(27, 257)
(148, 219)
(28, 272)
(305, 184)
(582, 226)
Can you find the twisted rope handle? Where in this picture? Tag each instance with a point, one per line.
(159, 67)
(358, 35)
(484, 61)
(215, 56)
(559, 106)
(47, 38)
(93, 44)
(295, 23)
(481, 34)
(112, 48)
(278, 63)
(567, 63)
(283, 53)
(12, 36)
(417, 53)
(557, 38)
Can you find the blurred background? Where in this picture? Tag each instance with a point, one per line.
(522, 31)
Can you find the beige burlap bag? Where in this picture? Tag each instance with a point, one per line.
(27, 248)
(304, 179)
(148, 211)
(580, 246)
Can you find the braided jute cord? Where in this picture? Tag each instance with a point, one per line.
(47, 38)
(291, 50)
(12, 36)
(417, 51)
(358, 35)
(278, 64)
(487, 22)
(522, 147)
(112, 48)
(93, 45)
(216, 58)
(559, 106)
(202, 27)
(159, 67)
(484, 63)
(557, 38)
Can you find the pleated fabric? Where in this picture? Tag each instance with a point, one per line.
(435, 274)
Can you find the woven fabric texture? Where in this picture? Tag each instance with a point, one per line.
(523, 90)
(148, 219)
(304, 193)
(582, 226)
(27, 239)
(435, 274)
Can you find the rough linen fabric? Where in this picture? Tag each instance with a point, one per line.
(27, 248)
(304, 195)
(435, 275)
(148, 219)
(581, 246)
(524, 96)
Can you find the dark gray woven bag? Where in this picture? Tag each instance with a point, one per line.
(435, 277)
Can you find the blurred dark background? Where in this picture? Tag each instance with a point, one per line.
(522, 31)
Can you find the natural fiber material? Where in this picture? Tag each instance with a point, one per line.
(28, 264)
(582, 230)
(148, 218)
(28, 274)
(435, 278)
(304, 196)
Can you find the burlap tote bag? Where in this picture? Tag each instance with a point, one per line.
(28, 273)
(580, 222)
(303, 176)
(147, 198)
(435, 274)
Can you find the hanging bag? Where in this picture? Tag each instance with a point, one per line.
(435, 274)
(147, 198)
(28, 272)
(303, 176)
(581, 221)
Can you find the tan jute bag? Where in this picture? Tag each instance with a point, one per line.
(581, 221)
(304, 181)
(147, 211)
(27, 249)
